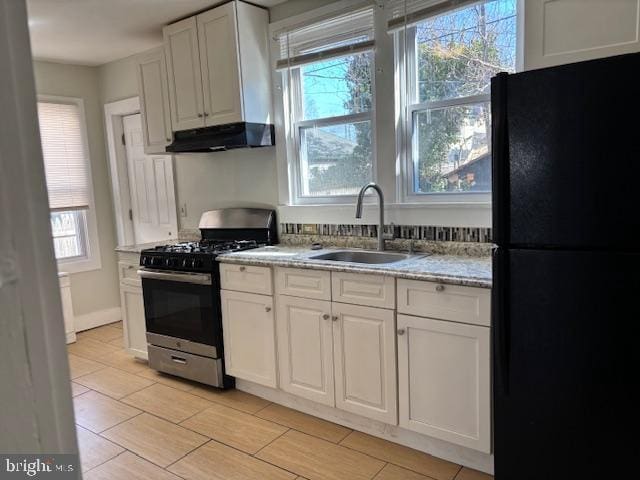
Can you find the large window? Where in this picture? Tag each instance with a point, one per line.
(327, 70)
(449, 59)
(66, 162)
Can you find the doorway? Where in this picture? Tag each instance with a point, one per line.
(143, 185)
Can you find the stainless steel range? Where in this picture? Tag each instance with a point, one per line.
(181, 290)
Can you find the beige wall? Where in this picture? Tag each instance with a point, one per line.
(95, 290)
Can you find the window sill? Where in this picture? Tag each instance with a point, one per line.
(79, 266)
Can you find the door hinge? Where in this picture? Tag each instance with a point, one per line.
(124, 141)
(131, 215)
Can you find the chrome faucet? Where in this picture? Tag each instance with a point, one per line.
(377, 188)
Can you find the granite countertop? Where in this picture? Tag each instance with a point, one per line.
(449, 269)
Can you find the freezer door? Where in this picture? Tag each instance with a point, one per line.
(565, 364)
(567, 155)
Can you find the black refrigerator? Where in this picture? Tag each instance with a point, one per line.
(566, 266)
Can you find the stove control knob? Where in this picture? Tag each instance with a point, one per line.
(143, 260)
(154, 261)
(168, 262)
(185, 262)
(198, 263)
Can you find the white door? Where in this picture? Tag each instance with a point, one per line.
(305, 348)
(444, 380)
(185, 79)
(218, 40)
(154, 100)
(364, 347)
(153, 202)
(248, 327)
(135, 332)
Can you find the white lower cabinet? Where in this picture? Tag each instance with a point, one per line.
(364, 355)
(249, 336)
(305, 348)
(444, 380)
(133, 324)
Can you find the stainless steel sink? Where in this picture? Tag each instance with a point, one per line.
(361, 257)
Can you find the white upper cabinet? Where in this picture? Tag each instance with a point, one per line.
(185, 79)
(218, 67)
(565, 31)
(218, 41)
(154, 100)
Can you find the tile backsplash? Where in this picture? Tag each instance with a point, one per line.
(413, 232)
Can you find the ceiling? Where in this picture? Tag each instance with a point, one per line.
(93, 32)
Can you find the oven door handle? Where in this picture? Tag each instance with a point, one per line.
(184, 277)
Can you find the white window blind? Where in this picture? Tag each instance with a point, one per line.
(409, 12)
(65, 156)
(340, 34)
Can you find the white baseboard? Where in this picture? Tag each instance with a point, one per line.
(71, 337)
(97, 318)
(438, 448)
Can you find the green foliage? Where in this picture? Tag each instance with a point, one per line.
(352, 160)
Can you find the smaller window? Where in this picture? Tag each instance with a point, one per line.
(327, 70)
(68, 175)
(69, 231)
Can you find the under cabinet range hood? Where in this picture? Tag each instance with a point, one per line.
(222, 137)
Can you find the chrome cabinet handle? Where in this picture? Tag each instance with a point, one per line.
(242, 269)
(267, 309)
(326, 316)
(401, 331)
(440, 288)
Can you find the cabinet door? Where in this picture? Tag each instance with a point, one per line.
(305, 350)
(364, 357)
(444, 380)
(249, 337)
(565, 31)
(185, 79)
(218, 40)
(154, 100)
(133, 323)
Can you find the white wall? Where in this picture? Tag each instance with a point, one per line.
(95, 290)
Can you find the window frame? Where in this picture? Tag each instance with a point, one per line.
(407, 108)
(292, 90)
(91, 261)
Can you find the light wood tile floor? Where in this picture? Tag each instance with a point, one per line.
(137, 424)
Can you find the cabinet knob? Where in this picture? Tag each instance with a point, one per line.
(168, 139)
(334, 318)
(199, 115)
(206, 114)
(326, 316)
(401, 331)
(267, 309)
(440, 288)
(243, 268)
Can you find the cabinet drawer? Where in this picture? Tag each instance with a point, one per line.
(246, 278)
(128, 274)
(446, 302)
(367, 290)
(300, 282)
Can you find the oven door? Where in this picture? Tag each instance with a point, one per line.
(181, 305)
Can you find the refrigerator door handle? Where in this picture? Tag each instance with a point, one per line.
(500, 318)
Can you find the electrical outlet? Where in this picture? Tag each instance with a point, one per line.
(183, 210)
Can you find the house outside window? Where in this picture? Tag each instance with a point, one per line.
(329, 97)
(68, 176)
(448, 58)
